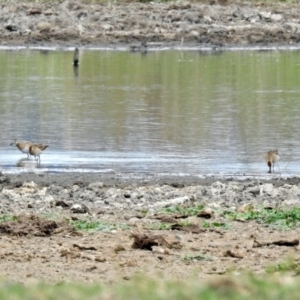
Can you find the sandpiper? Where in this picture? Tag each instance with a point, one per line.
(271, 157)
(36, 150)
(23, 146)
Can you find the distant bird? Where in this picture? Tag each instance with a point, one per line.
(36, 151)
(76, 58)
(142, 47)
(23, 146)
(271, 157)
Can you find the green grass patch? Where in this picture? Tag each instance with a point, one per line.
(282, 218)
(158, 226)
(285, 218)
(96, 225)
(208, 224)
(5, 218)
(184, 210)
(199, 257)
(290, 265)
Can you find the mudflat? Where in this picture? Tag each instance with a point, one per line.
(141, 26)
(106, 228)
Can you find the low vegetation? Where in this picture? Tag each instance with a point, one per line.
(184, 210)
(231, 287)
(5, 218)
(96, 225)
(284, 218)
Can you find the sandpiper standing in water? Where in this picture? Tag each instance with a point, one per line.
(271, 157)
(36, 151)
(23, 146)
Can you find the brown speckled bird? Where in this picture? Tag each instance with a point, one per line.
(271, 157)
(36, 151)
(23, 146)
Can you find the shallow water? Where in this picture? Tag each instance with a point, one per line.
(178, 112)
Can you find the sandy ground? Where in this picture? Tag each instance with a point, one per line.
(55, 253)
(47, 248)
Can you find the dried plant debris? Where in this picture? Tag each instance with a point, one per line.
(282, 242)
(166, 218)
(233, 253)
(146, 242)
(84, 247)
(206, 213)
(29, 224)
(193, 228)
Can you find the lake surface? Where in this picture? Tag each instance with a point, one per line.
(164, 112)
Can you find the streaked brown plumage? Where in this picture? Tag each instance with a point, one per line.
(271, 157)
(23, 146)
(36, 151)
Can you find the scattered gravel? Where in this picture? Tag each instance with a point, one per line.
(78, 194)
(214, 24)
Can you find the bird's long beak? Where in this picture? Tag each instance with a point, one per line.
(11, 144)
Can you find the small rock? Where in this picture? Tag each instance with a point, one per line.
(34, 11)
(100, 259)
(127, 195)
(11, 27)
(43, 26)
(29, 184)
(265, 15)
(48, 12)
(95, 186)
(233, 253)
(119, 248)
(291, 202)
(158, 250)
(107, 27)
(245, 208)
(276, 17)
(79, 209)
(267, 188)
(91, 268)
(206, 213)
(62, 204)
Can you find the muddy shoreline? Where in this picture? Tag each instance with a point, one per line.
(124, 180)
(143, 26)
(44, 192)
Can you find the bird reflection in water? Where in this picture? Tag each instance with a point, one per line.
(76, 61)
(27, 163)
